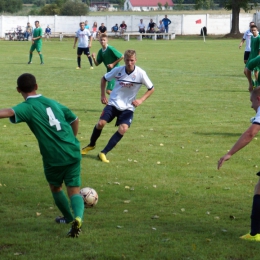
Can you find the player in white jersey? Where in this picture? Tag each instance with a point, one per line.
(247, 37)
(84, 38)
(122, 101)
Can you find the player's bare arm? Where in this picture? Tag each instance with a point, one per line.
(244, 139)
(94, 58)
(75, 41)
(249, 78)
(103, 91)
(146, 95)
(90, 42)
(241, 43)
(112, 65)
(7, 112)
(75, 126)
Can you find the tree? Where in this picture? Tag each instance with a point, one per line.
(10, 6)
(73, 8)
(159, 6)
(204, 4)
(51, 9)
(166, 6)
(179, 4)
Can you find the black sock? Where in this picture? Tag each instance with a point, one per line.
(90, 61)
(79, 60)
(112, 142)
(255, 216)
(95, 135)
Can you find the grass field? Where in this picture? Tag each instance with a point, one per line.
(179, 205)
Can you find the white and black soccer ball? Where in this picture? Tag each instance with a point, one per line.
(90, 197)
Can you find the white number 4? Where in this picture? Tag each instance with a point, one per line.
(52, 120)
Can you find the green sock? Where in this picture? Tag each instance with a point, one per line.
(41, 57)
(30, 57)
(63, 204)
(77, 205)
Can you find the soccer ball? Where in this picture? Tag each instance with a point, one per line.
(89, 196)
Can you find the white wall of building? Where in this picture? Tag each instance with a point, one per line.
(181, 24)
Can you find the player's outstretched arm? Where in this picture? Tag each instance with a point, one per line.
(103, 91)
(75, 126)
(112, 65)
(244, 139)
(7, 112)
(94, 58)
(146, 95)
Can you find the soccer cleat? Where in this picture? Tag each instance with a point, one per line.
(86, 149)
(75, 228)
(78, 68)
(251, 238)
(42, 63)
(252, 119)
(91, 68)
(29, 62)
(103, 157)
(61, 220)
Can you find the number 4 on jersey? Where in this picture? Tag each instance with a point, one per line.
(52, 120)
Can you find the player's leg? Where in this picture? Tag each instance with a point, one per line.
(73, 181)
(31, 53)
(246, 56)
(87, 52)
(39, 49)
(124, 121)
(108, 114)
(254, 234)
(79, 53)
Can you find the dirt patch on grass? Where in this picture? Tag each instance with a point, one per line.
(234, 36)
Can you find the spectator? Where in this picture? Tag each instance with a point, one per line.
(161, 29)
(48, 32)
(115, 29)
(28, 31)
(123, 27)
(151, 26)
(86, 25)
(166, 21)
(94, 30)
(141, 26)
(102, 29)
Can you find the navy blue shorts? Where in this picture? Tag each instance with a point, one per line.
(123, 117)
(246, 55)
(83, 50)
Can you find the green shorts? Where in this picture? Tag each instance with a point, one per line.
(36, 46)
(110, 84)
(69, 174)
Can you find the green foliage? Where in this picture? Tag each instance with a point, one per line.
(166, 6)
(51, 9)
(204, 4)
(72, 8)
(10, 6)
(160, 6)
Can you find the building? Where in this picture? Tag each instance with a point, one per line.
(146, 5)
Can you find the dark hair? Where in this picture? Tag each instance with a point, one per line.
(26, 82)
(253, 26)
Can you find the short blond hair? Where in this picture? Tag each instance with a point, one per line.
(129, 53)
(103, 35)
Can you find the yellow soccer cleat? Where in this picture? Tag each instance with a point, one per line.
(251, 238)
(86, 149)
(78, 68)
(75, 228)
(103, 157)
(91, 68)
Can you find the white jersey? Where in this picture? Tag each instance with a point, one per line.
(247, 38)
(256, 119)
(126, 86)
(83, 38)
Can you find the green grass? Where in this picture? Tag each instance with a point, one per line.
(198, 110)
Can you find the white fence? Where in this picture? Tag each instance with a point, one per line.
(181, 24)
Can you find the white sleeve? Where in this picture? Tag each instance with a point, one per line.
(111, 74)
(256, 119)
(146, 81)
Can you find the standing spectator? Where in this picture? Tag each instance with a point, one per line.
(122, 101)
(166, 21)
(247, 37)
(28, 31)
(122, 27)
(55, 128)
(110, 56)
(141, 26)
(85, 40)
(48, 32)
(94, 30)
(36, 42)
(86, 25)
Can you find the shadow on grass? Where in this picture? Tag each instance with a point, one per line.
(218, 134)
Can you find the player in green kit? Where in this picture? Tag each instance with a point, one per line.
(255, 51)
(36, 42)
(109, 56)
(55, 127)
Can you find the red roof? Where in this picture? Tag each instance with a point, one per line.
(150, 2)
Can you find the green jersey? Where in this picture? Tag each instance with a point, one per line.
(36, 33)
(255, 47)
(108, 56)
(50, 123)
